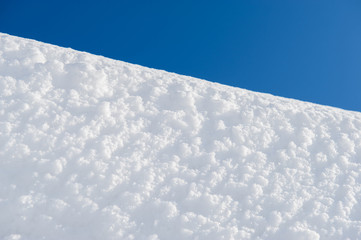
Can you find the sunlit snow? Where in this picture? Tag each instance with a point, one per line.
(93, 148)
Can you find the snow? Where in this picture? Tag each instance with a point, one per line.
(93, 148)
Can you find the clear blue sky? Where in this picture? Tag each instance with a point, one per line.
(308, 49)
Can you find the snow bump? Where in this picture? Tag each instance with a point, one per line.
(92, 148)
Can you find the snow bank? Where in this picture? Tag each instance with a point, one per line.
(92, 148)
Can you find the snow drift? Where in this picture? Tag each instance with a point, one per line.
(92, 148)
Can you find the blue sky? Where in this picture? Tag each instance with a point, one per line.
(308, 50)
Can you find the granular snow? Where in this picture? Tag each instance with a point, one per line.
(93, 148)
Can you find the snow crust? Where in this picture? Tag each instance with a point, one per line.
(92, 148)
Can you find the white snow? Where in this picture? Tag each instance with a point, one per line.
(92, 148)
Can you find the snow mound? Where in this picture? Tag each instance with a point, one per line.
(92, 148)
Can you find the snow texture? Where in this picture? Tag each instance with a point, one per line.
(93, 148)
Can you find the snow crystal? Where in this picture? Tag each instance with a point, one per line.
(92, 148)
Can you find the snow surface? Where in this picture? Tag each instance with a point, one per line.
(92, 148)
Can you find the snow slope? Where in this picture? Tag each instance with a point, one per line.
(92, 148)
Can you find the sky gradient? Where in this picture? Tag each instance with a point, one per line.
(308, 50)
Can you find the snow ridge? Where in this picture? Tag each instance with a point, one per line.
(92, 148)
